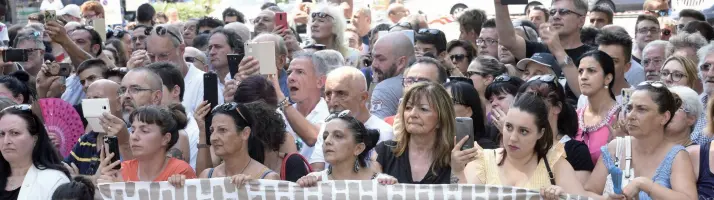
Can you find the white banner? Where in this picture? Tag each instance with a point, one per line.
(221, 188)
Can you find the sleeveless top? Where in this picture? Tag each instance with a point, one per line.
(266, 171)
(661, 176)
(595, 136)
(487, 168)
(705, 181)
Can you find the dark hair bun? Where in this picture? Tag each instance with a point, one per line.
(178, 112)
(21, 75)
(371, 139)
(88, 185)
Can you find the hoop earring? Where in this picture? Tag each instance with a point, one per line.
(356, 168)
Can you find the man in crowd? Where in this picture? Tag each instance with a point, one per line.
(487, 41)
(618, 45)
(221, 43)
(138, 38)
(92, 10)
(306, 80)
(90, 71)
(600, 16)
(232, 15)
(352, 38)
(686, 44)
(433, 41)
(362, 20)
(87, 39)
(264, 22)
(173, 93)
(70, 13)
(208, 24)
(346, 89)
(653, 57)
(470, 24)
(32, 41)
(706, 75)
(561, 37)
(168, 46)
(538, 15)
(249, 66)
(190, 31)
(396, 12)
(197, 58)
(538, 64)
(688, 15)
(84, 158)
(392, 54)
(634, 73)
(646, 30)
(145, 15)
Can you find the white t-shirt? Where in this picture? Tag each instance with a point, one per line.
(193, 89)
(54, 5)
(193, 135)
(385, 133)
(316, 116)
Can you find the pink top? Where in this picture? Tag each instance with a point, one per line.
(595, 136)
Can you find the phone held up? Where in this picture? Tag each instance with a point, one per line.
(465, 127)
(113, 145)
(233, 62)
(210, 94)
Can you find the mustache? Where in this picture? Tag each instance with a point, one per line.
(652, 73)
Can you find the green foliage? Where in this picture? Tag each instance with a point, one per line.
(188, 10)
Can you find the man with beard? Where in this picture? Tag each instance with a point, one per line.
(391, 54)
(653, 56)
(346, 90)
(264, 22)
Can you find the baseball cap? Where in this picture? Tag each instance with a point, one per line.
(70, 9)
(543, 59)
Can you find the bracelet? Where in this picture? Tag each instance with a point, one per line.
(283, 103)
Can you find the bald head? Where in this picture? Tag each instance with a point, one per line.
(397, 11)
(351, 76)
(400, 44)
(143, 76)
(104, 88)
(346, 89)
(240, 28)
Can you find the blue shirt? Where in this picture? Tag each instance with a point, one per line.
(283, 81)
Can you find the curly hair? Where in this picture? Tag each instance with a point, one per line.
(269, 127)
(92, 6)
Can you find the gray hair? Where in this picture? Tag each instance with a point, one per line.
(321, 65)
(338, 26)
(240, 28)
(580, 5)
(704, 52)
(684, 40)
(690, 101)
(655, 44)
(330, 58)
(31, 35)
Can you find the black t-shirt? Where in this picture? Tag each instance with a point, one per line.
(578, 155)
(10, 194)
(575, 54)
(399, 167)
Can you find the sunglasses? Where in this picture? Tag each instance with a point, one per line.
(457, 57)
(412, 80)
(161, 31)
(192, 59)
(406, 25)
(562, 12)
(429, 31)
(342, 114)
(232, 106)
(21, 107)
(321, 15)
(472, 73)
(502, 78)
(548, 78)
(655, 84)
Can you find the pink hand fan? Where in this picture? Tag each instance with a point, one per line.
(62, 120)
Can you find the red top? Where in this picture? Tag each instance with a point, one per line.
(130, 168)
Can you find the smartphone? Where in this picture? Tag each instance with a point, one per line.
(50, 15)
(100, 26)
(210, 94)
(65, 70)
(281, 19)
(265, 53)
(93, 110)
(514, 2)
(15, 55)
(465, 127)
(113, 145)
(233, 62)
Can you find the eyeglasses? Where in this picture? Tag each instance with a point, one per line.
(675, 76)
(457, 57)
(461, 79)
(20, 107)
(342, 114)
(132, 90)
(655, 84)
(685, 110)
(406, 82)
(318, 47)
(472, 73)
(488, 41)
(502, 78)
(321, 15)
(563, 11)
(646, 62)
(429, 31)
(406, 25)
(120, 34)
(548, 78)
(654, 30)
(232, 106)
(193, 59)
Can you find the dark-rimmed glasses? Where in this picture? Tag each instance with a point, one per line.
(412, 80)
(457, 57)
(674, 76)
(472, 73)
(132, 90)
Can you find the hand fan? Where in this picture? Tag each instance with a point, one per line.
(62, 120)
(616, 176)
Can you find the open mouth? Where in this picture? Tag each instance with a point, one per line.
(293, 89)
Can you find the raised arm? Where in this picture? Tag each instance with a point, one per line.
(59, 35)
(506, 34)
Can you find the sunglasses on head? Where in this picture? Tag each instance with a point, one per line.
(502, 78)
(232, 106)
(318, 47)
(161, 31)
(406, 25)
(320, 15)
(334, 115)
(429, 31)
(655, 84)
(20, 107)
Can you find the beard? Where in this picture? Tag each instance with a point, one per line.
(383, 75)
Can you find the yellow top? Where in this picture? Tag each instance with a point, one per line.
(488, 173)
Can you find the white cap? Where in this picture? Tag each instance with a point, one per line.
(72, 10)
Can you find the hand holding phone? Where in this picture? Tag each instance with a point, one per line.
(50, 15)
(15, 55)
(464, 128)
(281, 19)
(210, 94)
(233, 63)
(92, 110)
(265, 53)
(112, 144)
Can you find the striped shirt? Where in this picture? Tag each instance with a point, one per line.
(84, 154)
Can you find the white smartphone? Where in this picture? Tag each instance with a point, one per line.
(100, 26)
(265, 53)
(410, 35)
(92, 110)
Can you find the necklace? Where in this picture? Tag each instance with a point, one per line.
(225, 171)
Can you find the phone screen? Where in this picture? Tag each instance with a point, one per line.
(113, 145)
(210, 94)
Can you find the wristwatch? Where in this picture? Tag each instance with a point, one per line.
(566, 61)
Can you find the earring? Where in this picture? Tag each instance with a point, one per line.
(356, 168)
(606, 87)
(329, 169)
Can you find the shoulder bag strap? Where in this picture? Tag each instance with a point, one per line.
(618, 142)
(628, 157)
(550, 172)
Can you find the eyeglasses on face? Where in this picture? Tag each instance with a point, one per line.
(131, 90)
(488, 41)
(472, 73)
(563, 12)
(321, 15)
(675, 76)
(407, 81)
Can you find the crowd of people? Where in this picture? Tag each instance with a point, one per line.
(557, 100)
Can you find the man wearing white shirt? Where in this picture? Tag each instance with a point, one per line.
(51, 5)
(346, 89)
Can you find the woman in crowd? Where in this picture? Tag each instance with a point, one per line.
(327, 25)
(80, 188)
(500, 94)
(420, 153)
(109, 56)
(701, 156)
(597, 77)
(15, 87)
(686, 117)
(483, 71)
(461, 53)
(468, 104)
(232, 130)
(527, 159)
(155, 130)
(679, 70)
(560, 115)
(122, 54)
(347, 146)
(652, 166)
(30, 167)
